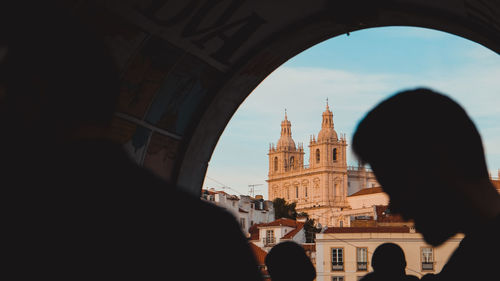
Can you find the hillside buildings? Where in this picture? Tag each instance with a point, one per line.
(347, 202)
(247, 210)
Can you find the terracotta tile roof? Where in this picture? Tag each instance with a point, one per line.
(206, 191)
(282, 222)
(260, 255)
(254, 232)
(496, 184)
(376, 229)
(292, 233)
(254, 229)
(366, 191)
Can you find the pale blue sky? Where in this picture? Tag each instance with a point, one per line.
(355, 73)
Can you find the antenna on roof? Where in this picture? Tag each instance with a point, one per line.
(251, 192)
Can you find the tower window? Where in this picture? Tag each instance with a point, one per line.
(291, 162)
(275, 164)
(317, 155)
(334, 154)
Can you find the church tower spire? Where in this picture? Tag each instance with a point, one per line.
(286, 142)
(327, 131)
(286, 156)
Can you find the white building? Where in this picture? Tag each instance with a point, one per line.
(344, 254)
(247, 210)
(267, 235)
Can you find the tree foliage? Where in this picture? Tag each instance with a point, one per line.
(282, 209)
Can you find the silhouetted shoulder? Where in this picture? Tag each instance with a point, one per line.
(475, 245)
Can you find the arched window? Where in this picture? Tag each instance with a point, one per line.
(317, 155)
(291, 162)
(275, 164)
(334, 154)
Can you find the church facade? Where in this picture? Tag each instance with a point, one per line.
(322, 187)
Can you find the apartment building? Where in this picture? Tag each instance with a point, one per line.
(246, 209)
(344, 253)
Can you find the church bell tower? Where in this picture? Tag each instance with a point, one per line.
(285, 156)
(327, 156)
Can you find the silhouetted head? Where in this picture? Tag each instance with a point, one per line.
(57, 73)
(389, 259)
(420, 144)
(288, 261)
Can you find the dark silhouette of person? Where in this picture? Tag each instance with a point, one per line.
(428, 157)
(389, 263)
(288, 261)
(75, 205)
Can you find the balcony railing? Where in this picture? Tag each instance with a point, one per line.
(271, 241)
(427, 266)
(362, 266)
(337, 266)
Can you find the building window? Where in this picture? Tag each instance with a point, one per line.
(242, 223)
(337, 278)
(334, 154)
(270, 240)
(291, 162)
(317, 155)
(341, 223)
(427, 258)
(337, 259)
(305, 190)
(362, 259)
(275, 164)
(296, 192)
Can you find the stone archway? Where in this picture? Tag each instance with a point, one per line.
(187, 65)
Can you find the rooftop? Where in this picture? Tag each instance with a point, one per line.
(254, 229)
(496, 184)
(260, 255)
(366, 191)
(376, 229)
